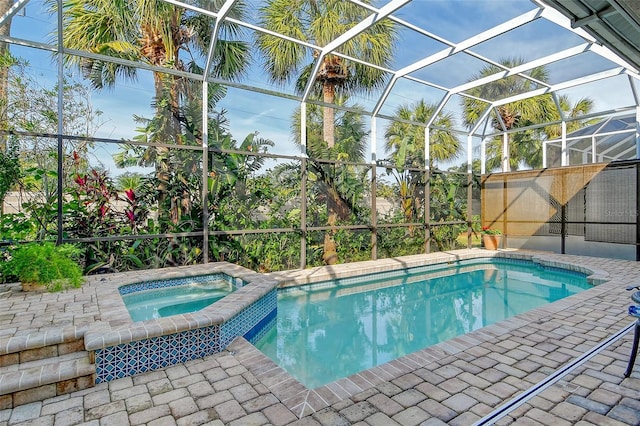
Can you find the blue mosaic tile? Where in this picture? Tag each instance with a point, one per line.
(261, 328)
(247, 319)
(158, 352)
(150, 354)
(148, 285)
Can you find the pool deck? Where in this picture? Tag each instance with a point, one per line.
(458, 382)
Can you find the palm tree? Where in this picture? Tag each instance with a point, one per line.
(351, 142)
(580, 108)
(406, 142)
(526, 146)
(153, 32)
(150, 31)
(520, 113)
(341, 186)
(320, 22)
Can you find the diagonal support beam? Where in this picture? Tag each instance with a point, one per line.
(224, 11)
(567, 53)
(348, 35)
(12, 11)
(455, 48)
(472, 41)
(561, 86)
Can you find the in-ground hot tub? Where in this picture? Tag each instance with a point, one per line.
(164, 298)
(123, 347)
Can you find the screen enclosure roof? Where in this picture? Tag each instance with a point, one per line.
(445, 53)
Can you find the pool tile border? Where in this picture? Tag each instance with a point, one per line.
(325, 273)
(153, 284)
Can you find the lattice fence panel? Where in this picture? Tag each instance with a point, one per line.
(611, 199)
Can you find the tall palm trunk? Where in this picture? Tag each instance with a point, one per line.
(330, 255)
(154, 48)
(509, 118)
(329, 114)
(332, 73)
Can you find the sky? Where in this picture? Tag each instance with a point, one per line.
(453, 20)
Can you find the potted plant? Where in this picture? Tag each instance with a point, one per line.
(44, 266)
(491, 238)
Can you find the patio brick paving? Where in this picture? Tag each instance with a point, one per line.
(457, 382)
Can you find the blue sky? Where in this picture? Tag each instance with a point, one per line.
(455, 20)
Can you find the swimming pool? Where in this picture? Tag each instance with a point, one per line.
(333, 329)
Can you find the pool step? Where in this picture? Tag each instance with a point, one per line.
(42, 344)
(45, 378)
(42, 365)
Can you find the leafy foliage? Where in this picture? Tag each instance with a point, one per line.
(9, 170)
(150, 31)
(406, 142)
(45, 264)
(525, 146)
(157, 219)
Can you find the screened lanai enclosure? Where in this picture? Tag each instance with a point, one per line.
(285, 134)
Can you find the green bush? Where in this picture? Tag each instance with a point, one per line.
(45, 264)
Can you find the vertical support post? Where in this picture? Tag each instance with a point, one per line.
(469, 189)
(303, 186)
(506, 165)
(637, 166)
(505, 210)
(563, 214)
(427, 191)
(303, 212)
(638, 132)
(565, 153)
(205, 171)
(563, 229)
(483, 157)
(563, 208)
(374, 183)
(637, 181)
(374, 213)
(594, 148)
(60, 182)
(544, 155)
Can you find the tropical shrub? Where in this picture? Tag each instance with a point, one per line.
(45, 264)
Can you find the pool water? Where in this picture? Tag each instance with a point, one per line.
(174, 300)
(329, 330)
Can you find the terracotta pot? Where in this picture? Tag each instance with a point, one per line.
(30, 286)
(491, 242)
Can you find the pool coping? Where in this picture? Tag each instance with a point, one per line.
(323, 273)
